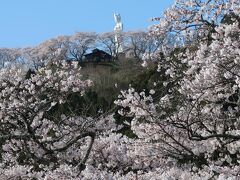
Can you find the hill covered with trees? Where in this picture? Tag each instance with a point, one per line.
(169, 112)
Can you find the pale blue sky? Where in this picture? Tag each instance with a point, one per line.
(29, 22)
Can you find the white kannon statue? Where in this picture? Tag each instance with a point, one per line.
(118, 31)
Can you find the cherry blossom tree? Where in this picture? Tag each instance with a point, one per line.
(30, 133)
(53, 49)
(79, 44)
(107, 42)
(188, 19)
(141, 44)
(196, 119)
(10, 56)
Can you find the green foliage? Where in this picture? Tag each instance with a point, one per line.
(230, 18)
(29, 73)
(126, 129)
(89, 104)
(109, 79)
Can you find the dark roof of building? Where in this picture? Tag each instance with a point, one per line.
(98, 53)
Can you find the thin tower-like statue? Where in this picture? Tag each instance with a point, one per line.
(118, 33)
